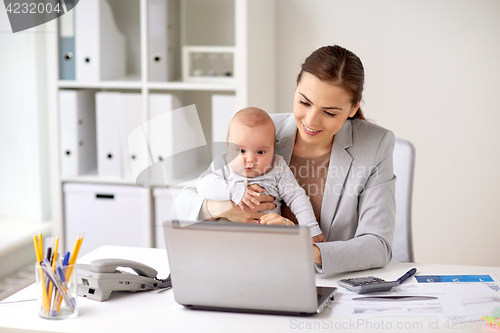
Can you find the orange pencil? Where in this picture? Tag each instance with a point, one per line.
(39, 258)
(72, 260)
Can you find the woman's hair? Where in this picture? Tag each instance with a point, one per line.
(339, 66)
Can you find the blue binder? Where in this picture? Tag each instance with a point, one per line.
(67, 69)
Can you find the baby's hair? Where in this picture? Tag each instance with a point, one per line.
(251, 117)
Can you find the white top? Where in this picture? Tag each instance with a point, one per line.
(222, 183)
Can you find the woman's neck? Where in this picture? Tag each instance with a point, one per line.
(302, 148)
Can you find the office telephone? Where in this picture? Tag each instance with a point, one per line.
(97, 280)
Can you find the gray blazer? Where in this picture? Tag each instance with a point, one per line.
(358, 209)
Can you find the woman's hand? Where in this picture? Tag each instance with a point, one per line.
(317, 255)
(228, 210)
(319, 239)
(273, 218)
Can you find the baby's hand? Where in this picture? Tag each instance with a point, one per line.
(273, 218)
(319, 239)
(249, 198)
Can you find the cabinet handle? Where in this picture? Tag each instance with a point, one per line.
(104, 196)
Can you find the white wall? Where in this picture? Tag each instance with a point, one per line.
(23, 123)
(432, 77)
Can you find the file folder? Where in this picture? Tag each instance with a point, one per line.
(136, 142)
(177, 139)
(67, 69)
(99, 45)
(77, 131)
(135, 157)
(162, 124)
(164, 39)
(109, 162)
(223, 110)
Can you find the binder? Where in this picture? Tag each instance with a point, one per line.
(67, 69)
(99, 45)
(177, 139)
(164, 39)
(137, 144)
(77, 130)
(223, 110)
(162, 125)
(135, 156)
(109, 162)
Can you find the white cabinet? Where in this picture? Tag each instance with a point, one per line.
(246, 26)
(107, 215)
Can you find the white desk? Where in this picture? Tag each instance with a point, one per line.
(155, 311)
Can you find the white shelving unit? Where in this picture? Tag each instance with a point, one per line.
(246, 25)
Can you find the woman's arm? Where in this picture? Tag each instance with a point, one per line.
(371, 245)
(189, 203)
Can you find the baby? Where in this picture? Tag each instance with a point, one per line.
(250, 160)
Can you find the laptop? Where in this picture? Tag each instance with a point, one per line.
(240, 267)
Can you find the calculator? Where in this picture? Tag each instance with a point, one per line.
(368, 284)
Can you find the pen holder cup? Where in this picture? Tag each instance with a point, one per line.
(56, 292)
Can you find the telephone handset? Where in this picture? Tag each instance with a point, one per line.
(97, 280)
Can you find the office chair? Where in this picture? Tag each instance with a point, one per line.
(404, 164)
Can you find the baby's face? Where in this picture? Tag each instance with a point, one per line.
(251, 153)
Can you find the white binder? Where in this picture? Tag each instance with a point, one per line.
(164, 39)
(135, 156)
(77, 131)
(161, 125)
(109, 162)
(223, 110)
(174, 131)
(99, 45)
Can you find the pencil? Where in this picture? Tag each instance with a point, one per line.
(40, 245)
(37, 248)
(39, 258)
(71, 264)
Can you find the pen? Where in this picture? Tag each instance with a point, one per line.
(408, 275)
(48, 283)
(49, 253)
(53, 263)
(66, 259)
(395, 298)
(57, 282)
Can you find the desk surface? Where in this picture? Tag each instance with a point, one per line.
(154, 311)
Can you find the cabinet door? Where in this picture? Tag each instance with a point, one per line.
(107, 215)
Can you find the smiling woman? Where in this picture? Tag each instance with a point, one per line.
(320, 111)
(343, 162)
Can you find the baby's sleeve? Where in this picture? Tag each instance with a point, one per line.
(213, 184)
(296, 198)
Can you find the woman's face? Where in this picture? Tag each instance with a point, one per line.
(320, 109)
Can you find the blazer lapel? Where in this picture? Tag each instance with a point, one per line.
(285, 139)
(340, 164)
